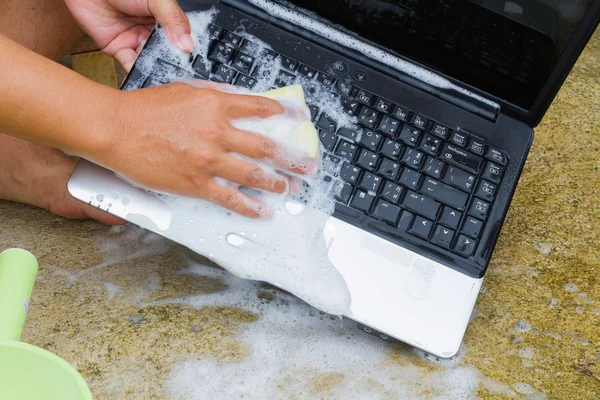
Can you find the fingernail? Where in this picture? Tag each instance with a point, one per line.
(185, 43)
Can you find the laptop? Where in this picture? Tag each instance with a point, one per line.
(446, 94)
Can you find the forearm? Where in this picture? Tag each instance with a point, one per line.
(46, 103)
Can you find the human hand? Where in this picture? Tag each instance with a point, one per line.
(121, 27)
(178, 138)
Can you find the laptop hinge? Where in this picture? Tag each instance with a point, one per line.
(449, 92)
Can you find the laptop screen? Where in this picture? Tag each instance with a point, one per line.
(507, 48)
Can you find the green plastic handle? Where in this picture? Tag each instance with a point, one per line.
(18, 269)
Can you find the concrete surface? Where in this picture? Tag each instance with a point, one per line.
(101, 298)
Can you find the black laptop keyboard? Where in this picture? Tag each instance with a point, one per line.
(400, 168)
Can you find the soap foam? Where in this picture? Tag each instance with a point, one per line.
(288, 249)
(297, 352)
(293, 350)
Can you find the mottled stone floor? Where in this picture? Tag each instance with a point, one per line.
(101, 298)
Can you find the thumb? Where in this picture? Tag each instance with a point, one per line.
(171, 16)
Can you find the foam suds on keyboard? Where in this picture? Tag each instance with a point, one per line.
(325, 29)
(288, 249)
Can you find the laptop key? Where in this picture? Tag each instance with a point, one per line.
(492, 172)
(389, 126)
(370, 140)
(284, 79)
(410, 179)
(421, 227)
(383, 106)
(362, 201)
(456, 156)
(464, 246)
(248, 47)
(222, 53)
(496, 156)
(440, 131)
(410, 136)
(202, 67)
(367, 160)
(171, 68)
(346, 150)
(351, 133)
(419, 121)
(365, 98)
(421, 205)
(400, 113)
(245, 81)
(444, 194)
(387, 212)
(479, 209)
(326, 80)
(314, 111)
(243, 62)
(345, 194)
(350, 173)
(477, 147)
(328, 139)
(412, 159)
(459, 179)
(442, 237)
(392, 192)
(391, 149)
(307, 71)
(433, 167)
(450, 218)
(486, 190)
(350, 106)
(327, 123)
(346, 89)
(290, 64)
(431, 145)
(459, 139)
(367, 117)
(232, 39)
(370, 183)
(223, 74)
(472, 227)
(215, 31)
(405, 220)
(389, 169)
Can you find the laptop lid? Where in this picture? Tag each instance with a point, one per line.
(515, 52)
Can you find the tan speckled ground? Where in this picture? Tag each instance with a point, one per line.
(546, 274)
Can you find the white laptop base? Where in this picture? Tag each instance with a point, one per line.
(394, 291)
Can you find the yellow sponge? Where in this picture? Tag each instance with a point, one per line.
(306, 136)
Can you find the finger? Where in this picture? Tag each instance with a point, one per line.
(202, 84)
(234, 200)
(148, 21)
(245, 106)
(259, 147)
(294, 183)
(125, 47)
(126, 57)
(171, 16)
(251, 175)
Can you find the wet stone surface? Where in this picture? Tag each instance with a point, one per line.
(140, 318)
